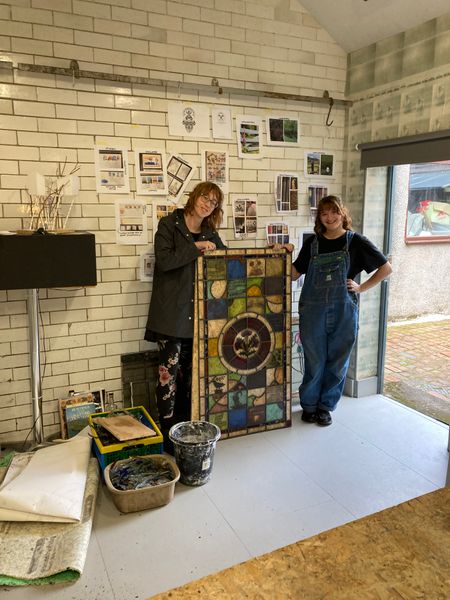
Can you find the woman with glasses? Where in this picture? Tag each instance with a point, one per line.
(181, 238)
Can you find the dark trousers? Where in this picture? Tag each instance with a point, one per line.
(173, 387)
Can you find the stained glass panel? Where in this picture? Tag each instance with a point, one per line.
(242, 343)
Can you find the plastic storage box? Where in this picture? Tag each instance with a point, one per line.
(106, 454)
(149, 497)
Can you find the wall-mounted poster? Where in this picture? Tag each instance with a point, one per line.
(277, 233)
(150, 167)
(282, 131)
(179, 173)
(286, 192)
(161, 209)
(249, 136)
(146, 266)
(215, 168)
(111, 170)
(189, 120)
(245, 217)
(221, 123)
(319, 164)
(315, 193)
(131, 222)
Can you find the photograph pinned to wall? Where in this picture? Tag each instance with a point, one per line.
(179, 173)
(245, 215)
(315, 194)
(150, 167)
(131, 222)
(215, 168)
(286, 192)
(161, 209)
(303, 235)
(277, 233)
(111, 170)
(249, 136)
(189, 120)
(282, 131)
(221, 123)
(319, 164)
(146, 266)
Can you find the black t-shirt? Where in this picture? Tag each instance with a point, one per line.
(364, 256)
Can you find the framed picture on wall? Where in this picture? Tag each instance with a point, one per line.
(282, 131)
(319, 164)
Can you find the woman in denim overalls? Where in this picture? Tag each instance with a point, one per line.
(328, 307)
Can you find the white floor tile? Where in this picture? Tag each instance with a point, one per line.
(267, 490)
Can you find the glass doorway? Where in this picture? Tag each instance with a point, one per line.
(416, 350)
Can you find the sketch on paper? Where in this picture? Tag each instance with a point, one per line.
(286, 192)
(111, 170)
(131, 222)
(179, 173)
(150, 167)
(282, 131)
(189, 120)
(319, 164)
(245, 216)
(221, 123)
(249, 138)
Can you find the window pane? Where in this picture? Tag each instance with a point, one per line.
(428, 216)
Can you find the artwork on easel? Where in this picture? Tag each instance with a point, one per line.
(242, 343)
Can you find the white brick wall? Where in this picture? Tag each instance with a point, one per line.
(45, 119)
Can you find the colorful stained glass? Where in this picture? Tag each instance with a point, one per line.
(242, 344)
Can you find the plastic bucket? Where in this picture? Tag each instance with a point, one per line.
(194, 443)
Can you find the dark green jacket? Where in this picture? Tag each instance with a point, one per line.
(172, 303)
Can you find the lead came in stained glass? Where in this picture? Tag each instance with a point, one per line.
(243, 352)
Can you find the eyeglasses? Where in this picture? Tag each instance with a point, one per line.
(212, 203)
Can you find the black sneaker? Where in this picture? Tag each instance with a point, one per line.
(309, 417)
(323, 417)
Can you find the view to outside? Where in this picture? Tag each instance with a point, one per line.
(428, 217)
(417, 359)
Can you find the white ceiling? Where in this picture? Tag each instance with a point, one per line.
(354, 24)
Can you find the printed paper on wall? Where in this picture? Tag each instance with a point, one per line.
(111, 170)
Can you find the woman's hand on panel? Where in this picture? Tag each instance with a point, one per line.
(205, 245)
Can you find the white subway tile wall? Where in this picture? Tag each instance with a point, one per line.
(46, 119)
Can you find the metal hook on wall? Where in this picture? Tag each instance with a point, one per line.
(215, 83)
(326, 95)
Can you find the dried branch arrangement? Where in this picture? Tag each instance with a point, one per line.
(45, 209)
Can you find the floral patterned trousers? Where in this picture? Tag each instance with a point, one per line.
(173, 387)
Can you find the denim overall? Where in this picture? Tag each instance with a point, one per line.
(328, 326)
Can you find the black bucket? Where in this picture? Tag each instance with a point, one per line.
(194, 443)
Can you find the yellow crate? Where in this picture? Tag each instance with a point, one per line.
(107, 454)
